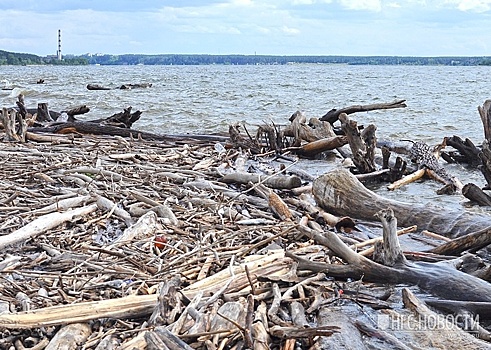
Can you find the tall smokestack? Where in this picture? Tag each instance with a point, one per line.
(58, 53)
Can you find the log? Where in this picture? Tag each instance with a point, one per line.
(475, 194)
(314, 148)
(276, 181)
(96, 129)
(448, 334)
(126, 307)
(72, 336)
(485, 168)
(392, 252)
(433, 278)
(96, 87)
(485, 114)
(470, 242)
(467, 152)
(340, 193)
(333, 115)
(43, 224)
(362, 144)
(14, 125)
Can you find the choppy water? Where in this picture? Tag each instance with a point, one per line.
(442, 101)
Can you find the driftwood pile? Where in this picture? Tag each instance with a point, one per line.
(136, 241)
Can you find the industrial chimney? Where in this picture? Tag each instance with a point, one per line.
(58, 53)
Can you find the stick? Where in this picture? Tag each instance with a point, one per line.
(43, 224)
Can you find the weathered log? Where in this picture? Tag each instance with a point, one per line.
(124, 119)
(131, 306)
(485, 168)
(96, 129)
(391, 249)
(78, 110)
(14, 125)
(134, 86)
(475, 194)
(314, 148)
(333, 115)
(71, 336)
(470, 242)
(313, 131)
(276, 181)
(434, 278)
(448, 336)
(467, 152)
(362, 144)
(97, 87)
(43, 114)
(485, 114)
(339, 192)
(43, 224)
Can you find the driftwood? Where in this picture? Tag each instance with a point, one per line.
(362, 144)
(467, 152)
(276, 181)
(96, 129)
(470, 242)
(124, 119)
(341, 193)
(333, 115)
(312, 149)
(97, 87)
(485, 114)
(433, 278)
(476, 194)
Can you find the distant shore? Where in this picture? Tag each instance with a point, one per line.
(12, 58)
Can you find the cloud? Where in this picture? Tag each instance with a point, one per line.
(341, 27)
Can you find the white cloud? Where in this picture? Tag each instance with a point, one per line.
(472, 5)
(371, 5)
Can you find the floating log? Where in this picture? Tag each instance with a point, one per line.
(475, 194)
(96, 87)
(341, 193)
(135, 86)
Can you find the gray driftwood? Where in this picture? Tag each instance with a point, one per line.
(341, 193)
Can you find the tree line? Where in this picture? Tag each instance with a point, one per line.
(11, 58)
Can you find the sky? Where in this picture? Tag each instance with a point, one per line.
(262, 27)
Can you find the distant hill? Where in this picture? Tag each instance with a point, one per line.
(11, 58)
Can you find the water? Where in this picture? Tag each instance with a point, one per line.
(442, 100)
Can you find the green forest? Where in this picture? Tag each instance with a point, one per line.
(11, 58)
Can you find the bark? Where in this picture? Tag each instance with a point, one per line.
(340, 193)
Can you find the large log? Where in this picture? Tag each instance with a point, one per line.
(340, 192)
(440, 279)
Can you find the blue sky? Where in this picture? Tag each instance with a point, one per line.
(269, 27)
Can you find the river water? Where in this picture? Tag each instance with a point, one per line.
(442, 100)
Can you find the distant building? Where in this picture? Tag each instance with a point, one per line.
(58, 53)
